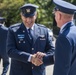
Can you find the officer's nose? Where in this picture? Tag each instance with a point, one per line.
(28, 19)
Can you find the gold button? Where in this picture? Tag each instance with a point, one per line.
(32, 48)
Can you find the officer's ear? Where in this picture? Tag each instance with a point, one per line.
(20, 14)
(36, 14)
(59, 15)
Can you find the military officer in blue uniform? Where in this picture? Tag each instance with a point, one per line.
(3, 54)
(65, 52)
(29, 45)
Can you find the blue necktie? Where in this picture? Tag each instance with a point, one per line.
(30, 35)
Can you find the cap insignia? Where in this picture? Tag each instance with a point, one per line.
(28, 10)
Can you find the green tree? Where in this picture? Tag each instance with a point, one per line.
(10, 10)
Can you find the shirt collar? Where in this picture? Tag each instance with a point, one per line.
(32, 28)
(64, 26)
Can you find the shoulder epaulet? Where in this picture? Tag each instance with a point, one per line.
(41, 25)
(15, 25)
(4, 27)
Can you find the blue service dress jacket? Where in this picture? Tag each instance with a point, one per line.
(19, 49)
(65, 52)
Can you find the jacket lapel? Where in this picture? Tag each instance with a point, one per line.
(24, 30)
(36, 33)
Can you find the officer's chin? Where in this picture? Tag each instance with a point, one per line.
(29, 24)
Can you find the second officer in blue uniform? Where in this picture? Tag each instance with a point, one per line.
(65, 51)
(3, 38)
(29, 44)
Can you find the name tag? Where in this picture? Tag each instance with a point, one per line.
(42, 38)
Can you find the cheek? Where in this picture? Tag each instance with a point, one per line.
(33, 20)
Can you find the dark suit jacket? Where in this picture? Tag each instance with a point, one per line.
(19, 49)
(65, 52)
(3, 38)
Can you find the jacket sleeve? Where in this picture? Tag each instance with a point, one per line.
(49, 49)
(12, 50)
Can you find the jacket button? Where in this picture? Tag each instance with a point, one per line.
(23, 41)
(32, 48)
(19, 41)
(23, 31)
(32, 67)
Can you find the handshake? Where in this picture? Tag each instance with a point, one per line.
(37, 59)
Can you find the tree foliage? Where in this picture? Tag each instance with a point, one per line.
(10, 10)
